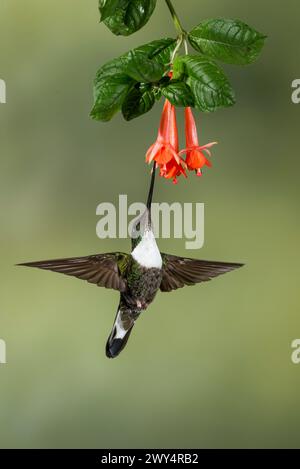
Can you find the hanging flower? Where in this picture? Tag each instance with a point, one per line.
(166, 146)
(195, 157)
(165, 151)
(172, 170)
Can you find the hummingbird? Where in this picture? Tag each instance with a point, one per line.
(137, 276)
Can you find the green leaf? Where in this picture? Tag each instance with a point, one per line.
(178, 93)
(142, 69)
(125, 17)
(109, 95)
(207, 81)
(230, 41)
(158, 51)
(138, 101)
(178, 68)
(108, 8)
(116, 78)
(111, 68)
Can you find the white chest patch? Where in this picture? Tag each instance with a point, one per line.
(147, 253)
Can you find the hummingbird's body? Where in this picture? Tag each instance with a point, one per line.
(143, 284)
(144, 276)
(138, 276)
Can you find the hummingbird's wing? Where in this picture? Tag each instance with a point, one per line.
(104, 270)
(181, 271)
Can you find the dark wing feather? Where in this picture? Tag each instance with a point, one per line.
(104, 270)
(181, 271)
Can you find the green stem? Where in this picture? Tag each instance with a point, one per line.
(175, 18)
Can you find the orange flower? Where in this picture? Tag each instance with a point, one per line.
(166, 146)
(165, 151)
(172, 169)
(195, 158)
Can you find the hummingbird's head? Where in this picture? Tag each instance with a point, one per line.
(141, 228)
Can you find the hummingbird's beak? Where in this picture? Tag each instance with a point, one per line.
(150, 193)
(144, 223)
(151, 188)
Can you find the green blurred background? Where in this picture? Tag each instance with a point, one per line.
(207, 366)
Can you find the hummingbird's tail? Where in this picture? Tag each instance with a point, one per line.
(121, 330)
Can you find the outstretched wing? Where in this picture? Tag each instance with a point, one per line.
(104, 270)
(181, 271)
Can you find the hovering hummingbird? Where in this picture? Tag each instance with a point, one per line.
(137, 276)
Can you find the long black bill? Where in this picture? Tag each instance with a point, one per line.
(151, 189)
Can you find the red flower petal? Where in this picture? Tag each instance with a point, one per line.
(166, 146)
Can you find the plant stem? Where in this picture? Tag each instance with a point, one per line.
(175, 18)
